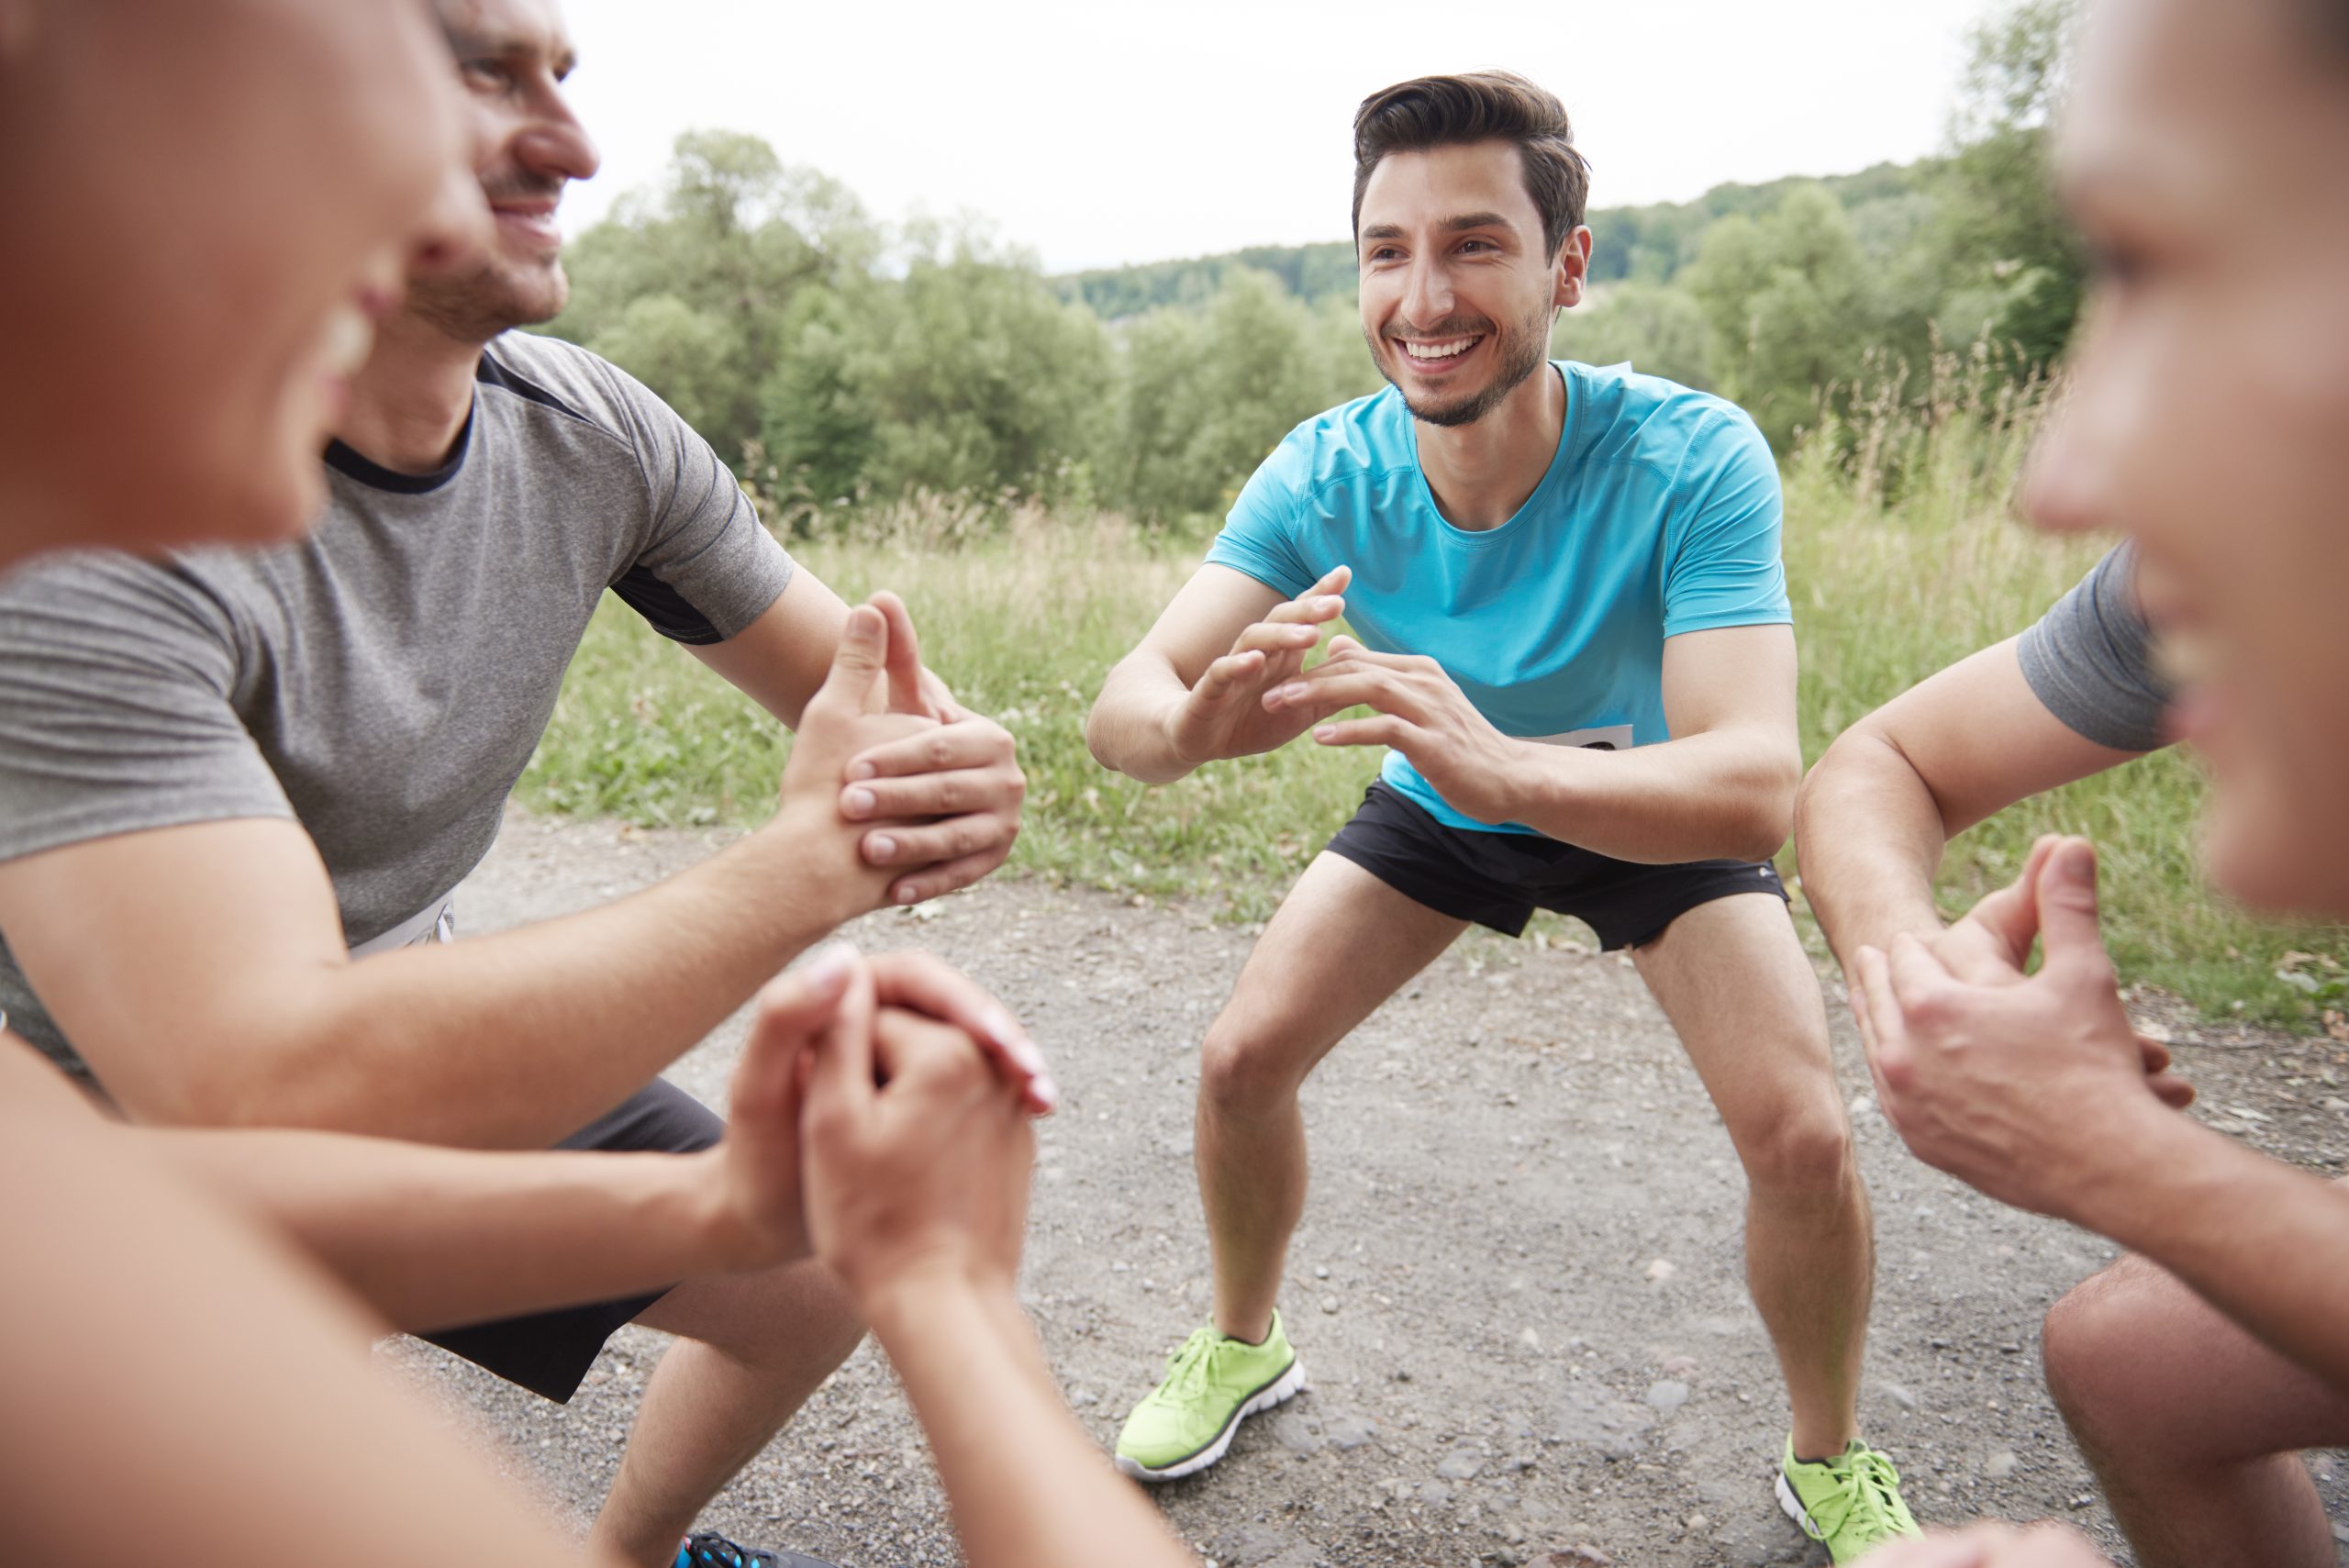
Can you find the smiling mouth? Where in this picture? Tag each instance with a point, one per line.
(1436, 352)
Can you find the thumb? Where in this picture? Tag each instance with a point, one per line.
(2068, 911)
(792, 1010)
(864, 647)
(903, 657)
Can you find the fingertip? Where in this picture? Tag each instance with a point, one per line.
(858, 772)
(826, 974)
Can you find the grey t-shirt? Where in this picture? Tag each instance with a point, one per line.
(2089, 659)
(385, 681)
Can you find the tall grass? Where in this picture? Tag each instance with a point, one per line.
(1903, 554)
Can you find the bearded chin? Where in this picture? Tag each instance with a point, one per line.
(1524, 348)
(476, 307)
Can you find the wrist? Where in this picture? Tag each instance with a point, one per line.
(1528, 788)
(2136, 1168)
(908, 1302)
(788, 874)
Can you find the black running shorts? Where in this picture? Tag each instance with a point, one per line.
(548, 1352)
(1499, 879)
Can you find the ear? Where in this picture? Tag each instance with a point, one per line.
(1574, 269)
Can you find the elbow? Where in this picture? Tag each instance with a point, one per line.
(1097, 736)
(1769, 817)
(249, 1088)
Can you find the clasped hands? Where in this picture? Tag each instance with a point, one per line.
(879, 1118)
(2035, 1088)
(930, 793)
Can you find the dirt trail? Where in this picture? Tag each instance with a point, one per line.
(1517, 1291)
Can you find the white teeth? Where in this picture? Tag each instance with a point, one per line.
(350, 338)
(1439, 350)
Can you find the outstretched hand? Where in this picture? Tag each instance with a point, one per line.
(1225, 714)
(1419, 710)
(1991, 944)
(2027, 1087)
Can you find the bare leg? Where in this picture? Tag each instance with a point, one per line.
(1733, 978)
(2193, 1427)
(1343, 942)
(752, 1349)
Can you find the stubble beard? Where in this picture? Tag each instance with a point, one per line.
(490, 299)
(1524, 348)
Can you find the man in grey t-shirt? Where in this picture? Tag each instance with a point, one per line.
(237, 791)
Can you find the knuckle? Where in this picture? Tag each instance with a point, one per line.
(939, 751)
(1015, 786)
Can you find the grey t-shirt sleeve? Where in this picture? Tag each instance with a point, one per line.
(707, 567)
(117, 678)
(2089, 659)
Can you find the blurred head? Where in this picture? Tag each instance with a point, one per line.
(1468, 206)
(512, 58)
(208, 206)
(2206, 158)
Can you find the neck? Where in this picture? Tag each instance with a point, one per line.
(412, 398)
(1482, 474)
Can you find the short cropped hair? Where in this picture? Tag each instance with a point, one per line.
(1482, 106)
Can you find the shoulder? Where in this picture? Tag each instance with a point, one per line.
(1366, 439)
(193, 590)
(1683, 434)
(548, 377)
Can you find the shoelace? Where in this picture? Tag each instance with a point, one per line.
(1867, 1488)
(710, 1550)
(1186, 1368)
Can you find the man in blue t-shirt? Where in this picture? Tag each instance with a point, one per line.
(1575, 640)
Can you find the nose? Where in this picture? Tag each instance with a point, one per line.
(1427, 292)
(455, 232)
(555, 143)
(2064, 485)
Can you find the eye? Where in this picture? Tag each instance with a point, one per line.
(483, 73)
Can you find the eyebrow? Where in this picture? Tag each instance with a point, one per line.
(1460, 225)
(489, 46)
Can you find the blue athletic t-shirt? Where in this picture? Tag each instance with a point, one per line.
(1659, 515)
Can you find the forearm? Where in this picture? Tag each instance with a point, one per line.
(1717, 794)
(518, 1040)
(1029, 1489)
(1126, 731)
(1869, 835)
(434, 1238)
(2264, 1243)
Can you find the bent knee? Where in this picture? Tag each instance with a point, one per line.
(1804, 1152)
(2111, 1347)
(1243, 1070)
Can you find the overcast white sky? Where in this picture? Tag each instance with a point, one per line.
(1095, 134)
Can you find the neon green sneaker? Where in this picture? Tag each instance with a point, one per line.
(1187, 1422)
(1852, 1502)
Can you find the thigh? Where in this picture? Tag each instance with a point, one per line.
(1731, 975)
(1342, 944)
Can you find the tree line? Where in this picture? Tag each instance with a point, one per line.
(834, 358)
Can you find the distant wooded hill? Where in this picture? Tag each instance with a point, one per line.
(1651, 244)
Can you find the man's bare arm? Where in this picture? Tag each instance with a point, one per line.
(258, 1405)
(201, 969)
(1874, 815)
(1190, 693)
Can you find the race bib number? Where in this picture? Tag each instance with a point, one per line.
(1605, 738)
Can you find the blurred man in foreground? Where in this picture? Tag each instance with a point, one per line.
(2202, 158)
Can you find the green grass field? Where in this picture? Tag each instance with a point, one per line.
(1902, 555)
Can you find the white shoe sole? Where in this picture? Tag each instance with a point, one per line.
(1279, 1392)
(1794, 1509)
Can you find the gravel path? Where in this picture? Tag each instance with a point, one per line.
(1517, 1290)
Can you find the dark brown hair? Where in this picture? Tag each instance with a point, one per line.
(1482, 106)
